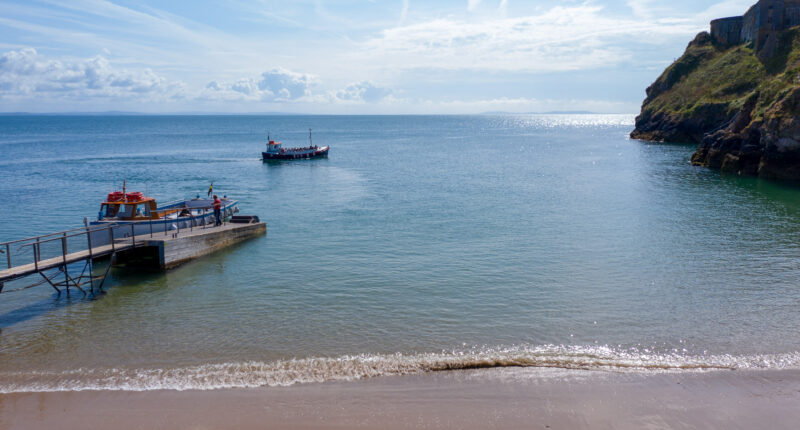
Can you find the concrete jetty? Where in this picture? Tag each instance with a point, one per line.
(153, 250)
(173, 250)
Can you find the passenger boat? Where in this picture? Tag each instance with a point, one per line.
(133, 213)
(276, 151)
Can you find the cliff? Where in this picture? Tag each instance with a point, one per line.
(739, 101)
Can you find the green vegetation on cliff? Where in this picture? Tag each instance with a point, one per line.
(704, 75)
(716, 81)
(740, 107)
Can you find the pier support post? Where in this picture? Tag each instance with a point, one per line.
(50, 282)
(64, 259)
(111, 262)
(89, 262)
(91, 275)
(75, 284)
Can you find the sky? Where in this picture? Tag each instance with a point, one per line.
(342, 56)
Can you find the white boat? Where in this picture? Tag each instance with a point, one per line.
(133, 214)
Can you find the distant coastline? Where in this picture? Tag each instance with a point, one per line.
(127, 113)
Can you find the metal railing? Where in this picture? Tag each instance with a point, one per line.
(118, 239)
(63, 238)
(190, 218)
(24, 251)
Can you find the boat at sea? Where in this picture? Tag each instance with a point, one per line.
(276, 151)
(136, 214)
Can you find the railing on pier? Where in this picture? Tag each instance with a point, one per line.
(59, 250)
(38, 254)
(175, 225)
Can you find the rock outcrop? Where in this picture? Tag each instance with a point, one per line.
(741, 106)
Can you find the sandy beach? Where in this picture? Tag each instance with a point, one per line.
(497, 398)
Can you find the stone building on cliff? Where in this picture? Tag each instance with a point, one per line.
(759, 26)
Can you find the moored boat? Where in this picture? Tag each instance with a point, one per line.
(133, 213)
(276, 151)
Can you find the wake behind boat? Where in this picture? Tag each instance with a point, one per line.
(276, 151)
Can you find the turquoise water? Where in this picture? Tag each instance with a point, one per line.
(421, 243)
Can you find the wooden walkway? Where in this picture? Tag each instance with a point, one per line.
(73, 257)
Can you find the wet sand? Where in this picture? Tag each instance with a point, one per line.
(482, 399)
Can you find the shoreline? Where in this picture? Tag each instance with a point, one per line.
(472, 399)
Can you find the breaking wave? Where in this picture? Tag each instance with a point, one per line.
(279, 373)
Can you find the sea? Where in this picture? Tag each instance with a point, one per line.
(420, 244)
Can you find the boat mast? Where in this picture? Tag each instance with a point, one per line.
(309, 138)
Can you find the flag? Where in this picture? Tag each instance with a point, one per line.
(210, 188)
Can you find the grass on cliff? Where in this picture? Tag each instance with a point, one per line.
(707, 74)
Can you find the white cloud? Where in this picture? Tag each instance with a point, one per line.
(136, 34)
(472, 4)
(559, 39)
(285, 84)
(364, 92)
(25, 73)
(274, 85)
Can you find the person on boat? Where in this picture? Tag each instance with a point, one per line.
(217, 210)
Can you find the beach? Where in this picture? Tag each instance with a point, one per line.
(480, 399)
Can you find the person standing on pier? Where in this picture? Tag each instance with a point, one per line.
(217, 210)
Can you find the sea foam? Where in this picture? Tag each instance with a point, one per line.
(280, 373)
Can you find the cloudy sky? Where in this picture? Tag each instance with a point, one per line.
(341, 56)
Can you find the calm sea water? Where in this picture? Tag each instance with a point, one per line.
(421, 243)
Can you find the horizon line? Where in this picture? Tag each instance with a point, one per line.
(194, 113)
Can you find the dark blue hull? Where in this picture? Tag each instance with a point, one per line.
(292, 155)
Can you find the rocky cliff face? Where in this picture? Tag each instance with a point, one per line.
(743, 110)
